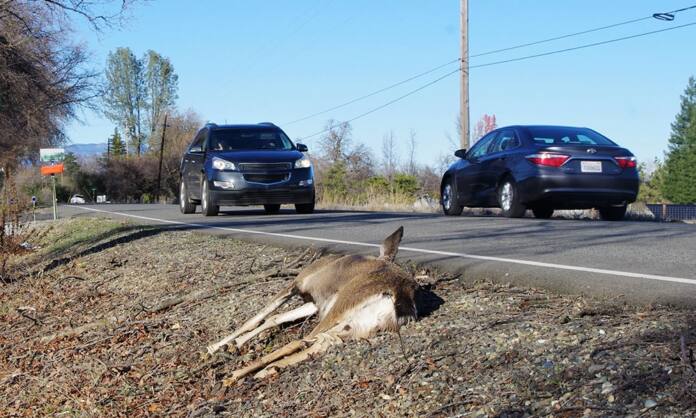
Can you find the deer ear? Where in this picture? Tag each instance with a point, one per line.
(390, 246)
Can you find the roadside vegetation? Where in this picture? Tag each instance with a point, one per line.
(673, 179)
(107, 318)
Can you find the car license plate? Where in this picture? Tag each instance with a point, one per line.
(591, 166)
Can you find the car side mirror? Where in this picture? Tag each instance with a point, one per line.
(196, 149)
(301, 147)
(460, 153)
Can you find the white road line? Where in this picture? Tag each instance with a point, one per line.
(411, 249)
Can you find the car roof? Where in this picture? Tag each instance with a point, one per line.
(263, 125)
(544, 126)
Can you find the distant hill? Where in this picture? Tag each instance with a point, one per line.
(86, 150)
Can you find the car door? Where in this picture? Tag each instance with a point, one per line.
(193, 165)
(494, 165)
(469, 175)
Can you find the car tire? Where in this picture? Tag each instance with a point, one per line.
(448, 199)
(304, 208)
(613, 213)
(542, 212)
(185, 204)
(208, 206)
(509, 199)
(271, 209)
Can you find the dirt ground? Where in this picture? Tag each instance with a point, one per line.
(112, 319)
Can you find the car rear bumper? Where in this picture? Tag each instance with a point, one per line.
(579, 191)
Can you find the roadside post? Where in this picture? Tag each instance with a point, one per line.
(55, 199)
(33, 208)
(52, 164)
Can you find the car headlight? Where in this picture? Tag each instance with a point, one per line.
(303, 162)
(220, 164)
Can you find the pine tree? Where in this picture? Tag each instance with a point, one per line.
(116, 145)
(680, 165)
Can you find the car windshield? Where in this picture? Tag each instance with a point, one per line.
(248, 139)
(551, 135)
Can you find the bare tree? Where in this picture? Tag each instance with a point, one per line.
(412, 166)
(181, 128)
(336, 141)
(390, 155)
(44, 76)
(339, 157)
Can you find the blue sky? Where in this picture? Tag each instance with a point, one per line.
(273, 60)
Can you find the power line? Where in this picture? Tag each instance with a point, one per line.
(489, 64)
(362, 115)
(661, 16)
(374, 93)
(559, 51)
(665, 16)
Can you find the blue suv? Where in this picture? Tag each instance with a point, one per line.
(242, 165)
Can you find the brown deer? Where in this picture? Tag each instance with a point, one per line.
(354, 296)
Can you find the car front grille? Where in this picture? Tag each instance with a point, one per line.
(263, 167)
(266, 178)
(260, 197)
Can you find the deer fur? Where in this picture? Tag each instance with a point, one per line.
(353, 296)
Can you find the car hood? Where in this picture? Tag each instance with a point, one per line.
(259, 156)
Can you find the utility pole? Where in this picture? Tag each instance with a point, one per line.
(159, 171)
(464, 85)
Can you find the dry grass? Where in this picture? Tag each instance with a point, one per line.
(115, 322)
(637, 211)
(370, 200)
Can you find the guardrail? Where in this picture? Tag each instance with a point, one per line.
(671, 212)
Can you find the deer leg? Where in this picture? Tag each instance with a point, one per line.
(252, 323)
(286, 350)
(308, 309)
(322, 343)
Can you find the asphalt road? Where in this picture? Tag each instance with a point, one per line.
(640, 262)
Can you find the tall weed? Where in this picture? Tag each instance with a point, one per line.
(14, 230)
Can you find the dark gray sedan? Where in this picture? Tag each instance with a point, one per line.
(542, 168)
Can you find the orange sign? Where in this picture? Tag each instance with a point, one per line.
(51, 160)
(51, 169)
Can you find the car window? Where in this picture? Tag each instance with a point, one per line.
(197, 145)
(507, 140)
(552, 135)
(481, 147)
(249, 139)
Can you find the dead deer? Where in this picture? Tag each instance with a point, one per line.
(355, 297)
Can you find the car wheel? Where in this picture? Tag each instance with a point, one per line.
(450, 206)
(271, 209)
(185, 204)
(542, 212)
(208, 207)
(509, 200)
(613, 213)
(304, 207)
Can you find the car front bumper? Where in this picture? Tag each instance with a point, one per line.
(233, 189)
